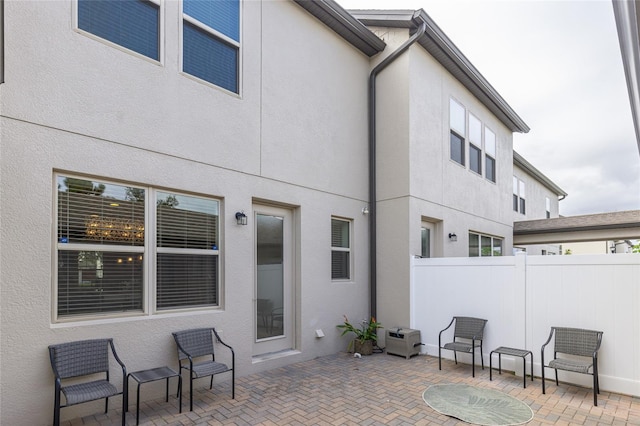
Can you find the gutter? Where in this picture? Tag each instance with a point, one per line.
(373, 287)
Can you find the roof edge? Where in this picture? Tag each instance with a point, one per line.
(521, 162)
(344, 24)
(440, 46)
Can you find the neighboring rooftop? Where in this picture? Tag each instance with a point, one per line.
(593, 227)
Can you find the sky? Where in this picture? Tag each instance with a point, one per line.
(558, 65)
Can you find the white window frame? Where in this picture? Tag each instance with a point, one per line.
(490, 153)
(547, 204)
(161, 29)
(348, 249)
(149, 252)
(216, 34)
(475, 124)
(519, 196)
(458, 132)
(493, 247)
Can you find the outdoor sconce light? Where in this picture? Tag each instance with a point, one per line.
(241, 218)
(453, 237)
(365, 210)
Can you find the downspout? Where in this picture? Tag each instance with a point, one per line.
(373, 287)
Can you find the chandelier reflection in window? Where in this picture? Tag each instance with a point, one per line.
(114, 229)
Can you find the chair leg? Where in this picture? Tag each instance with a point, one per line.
(233, 384)
(211, 385)
(542, 368)
(106, 405)
(439, 358)
(455, 356)
(557, 383)
(180, 392)
(481, 357)
(56, 416)
(56, 410)
(191, 392)
(473, 363)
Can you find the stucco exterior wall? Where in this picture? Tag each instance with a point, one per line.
(76, 105)
(418, 182)
(536, 208)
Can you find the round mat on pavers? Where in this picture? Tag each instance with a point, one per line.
(477, 405)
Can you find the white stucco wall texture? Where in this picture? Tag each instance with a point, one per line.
(83, 107)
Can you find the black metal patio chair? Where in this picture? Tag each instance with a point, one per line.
(578, 350)
(196, 354)
(85, 358)
(467, 336)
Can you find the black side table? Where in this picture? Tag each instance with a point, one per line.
(513, 352)
(151, 375)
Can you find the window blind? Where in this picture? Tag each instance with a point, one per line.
(220, 15)
(100, 234)
(187, 261)
(209, 58)
(134, 24)
(340, 255)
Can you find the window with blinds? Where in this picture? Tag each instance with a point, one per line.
(103, 246)
(132, 24)
(340, 249)
(100, 240)
(211, 41)
(187, 246)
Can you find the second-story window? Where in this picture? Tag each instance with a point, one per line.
(519, 203)
(211, 41)
(547, 203)
(457, 125)
(475, 144)
(490, 154)
(132, 24)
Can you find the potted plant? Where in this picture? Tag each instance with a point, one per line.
(365, 335)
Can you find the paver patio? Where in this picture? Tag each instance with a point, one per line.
(376, 390)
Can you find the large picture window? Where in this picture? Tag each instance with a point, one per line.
(132, 24)
(340, 249)
(105, 249)
(211, 41)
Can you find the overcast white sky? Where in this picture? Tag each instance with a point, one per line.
(558, 64)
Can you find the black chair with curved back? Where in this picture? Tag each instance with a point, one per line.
(467, 337)
(196, 354)
(89, 358)
(580, 349)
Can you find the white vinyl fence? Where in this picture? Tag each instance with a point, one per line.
(523, 296)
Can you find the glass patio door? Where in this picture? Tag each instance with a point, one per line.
(273, 280)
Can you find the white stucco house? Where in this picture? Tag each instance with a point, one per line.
(169, 165)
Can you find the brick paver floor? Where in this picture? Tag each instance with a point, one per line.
(376, 390)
